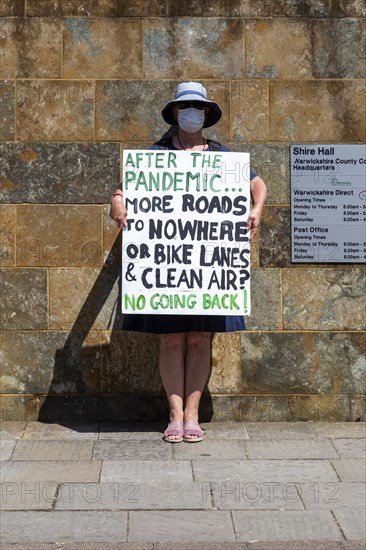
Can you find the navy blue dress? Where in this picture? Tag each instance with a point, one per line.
(168, 324)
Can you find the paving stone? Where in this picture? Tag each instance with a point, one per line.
(27, 495)
(285, 525)
(334, 495)
(6, 449)
(188, 525)
(24, 298)
(126, 431)
(10, 430)
(280, 448)
(254, 495)
(350, 469)
(211, 449)
(40, 430)
(263, 470)
(350, 448)
(133, 496)
(65, 526)
(138, 471)
(224, 430)
(60, 471)
(53, 450)
(339, 429)
(279, 430)
(133, 450)
(352, 522)
(59, 172)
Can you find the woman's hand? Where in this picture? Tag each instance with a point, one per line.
(118, 211)
(259, 193)
(254, 219)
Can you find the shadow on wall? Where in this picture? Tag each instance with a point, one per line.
(110, 375)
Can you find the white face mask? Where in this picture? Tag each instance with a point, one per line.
(191, 120)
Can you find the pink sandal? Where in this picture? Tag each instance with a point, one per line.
(175, 427)
(192, 428)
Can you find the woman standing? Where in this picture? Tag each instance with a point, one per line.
(184, 361)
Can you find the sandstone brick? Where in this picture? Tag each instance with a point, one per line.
(130, 363)
(194, 48)
(55, 362)
(278, 48)
(102, 48)
(317, 111)
(249, 111)
(59, 172)
(271, 163)
(14, 8)
(308, 363)
(293, 8)
(266, 300)
(275, 237)
(18, 407)
(194, 8)
(358, 408)
(339, 45)
(326, 301)
(24, 298)
(352, 8)
(59, 235)
(31, 48)
(7, 128)
(7, 235)
(68, 8)
(225, 361)
(112, 240)
(53, 110)
(83, 298)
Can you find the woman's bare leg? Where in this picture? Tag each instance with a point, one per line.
(197, 371)
(171, 366)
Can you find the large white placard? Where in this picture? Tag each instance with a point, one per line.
(186, 247)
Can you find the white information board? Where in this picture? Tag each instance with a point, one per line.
(328, 203)
(186, 247)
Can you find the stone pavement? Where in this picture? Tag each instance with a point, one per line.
(252, 486)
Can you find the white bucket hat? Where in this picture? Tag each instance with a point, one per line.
(192, 91)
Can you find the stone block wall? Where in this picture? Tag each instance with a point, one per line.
(81, 81)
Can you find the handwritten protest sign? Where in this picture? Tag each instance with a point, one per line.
(186, 246)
